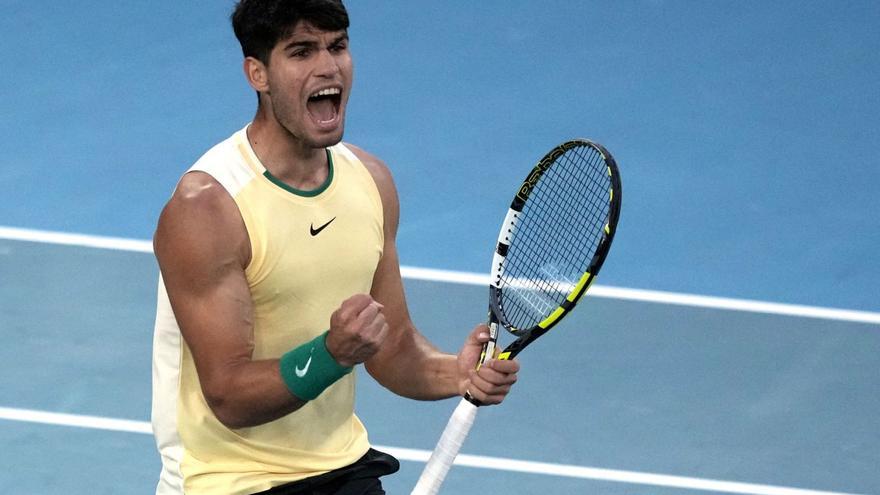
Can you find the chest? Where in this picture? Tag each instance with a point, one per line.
(316, 254)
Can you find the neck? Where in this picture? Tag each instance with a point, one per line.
(285, 156)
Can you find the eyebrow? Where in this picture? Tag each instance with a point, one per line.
(312, 43)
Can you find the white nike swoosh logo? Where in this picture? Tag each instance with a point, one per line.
(301, 372)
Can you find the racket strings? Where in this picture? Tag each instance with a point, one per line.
(592, 209)
(560, 229)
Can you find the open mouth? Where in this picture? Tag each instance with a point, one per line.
(323, 105)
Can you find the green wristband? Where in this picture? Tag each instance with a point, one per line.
(309, 369)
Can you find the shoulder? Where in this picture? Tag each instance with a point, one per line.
(200, 214)
(198, 193)
(377, 168)
(384, 183)
(380, 172)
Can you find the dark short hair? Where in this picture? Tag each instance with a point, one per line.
(260, 24)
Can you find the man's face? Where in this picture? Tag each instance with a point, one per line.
(310, 75)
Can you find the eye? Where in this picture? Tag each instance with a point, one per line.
(339, 47)
(300, 53)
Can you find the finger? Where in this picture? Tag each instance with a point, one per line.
(377, 328)
(491, 400)
(375, 305)
(369, 316)
(489, 387)
(495, 377)
(486, 392)
(354, 305)
(503, 366)
(382, 332)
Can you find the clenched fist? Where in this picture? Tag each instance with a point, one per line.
(357, 330)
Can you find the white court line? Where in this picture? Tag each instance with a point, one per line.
(474, 461)
(76, 420)
(448, 276)
(82, 240)
(663, 297)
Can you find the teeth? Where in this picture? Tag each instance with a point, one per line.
(326, 92)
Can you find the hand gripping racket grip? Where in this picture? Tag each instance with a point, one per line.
(447, 449)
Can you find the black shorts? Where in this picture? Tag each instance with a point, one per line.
(360, 478)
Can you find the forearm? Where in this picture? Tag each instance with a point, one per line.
(250, 393)
(415, 369)
(256, 392)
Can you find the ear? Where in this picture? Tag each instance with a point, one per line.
(257, 74)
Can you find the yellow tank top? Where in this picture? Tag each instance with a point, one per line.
(310, 251)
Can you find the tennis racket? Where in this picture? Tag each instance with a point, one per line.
(552, 244)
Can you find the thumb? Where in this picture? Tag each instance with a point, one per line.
(478, 336)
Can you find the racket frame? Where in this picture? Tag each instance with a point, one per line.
(526, 336)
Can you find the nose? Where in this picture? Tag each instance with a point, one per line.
(327, 65)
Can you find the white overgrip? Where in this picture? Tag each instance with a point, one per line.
(447, 449)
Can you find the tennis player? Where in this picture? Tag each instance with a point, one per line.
(279, 275)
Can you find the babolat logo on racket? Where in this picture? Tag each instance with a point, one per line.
(526, 188)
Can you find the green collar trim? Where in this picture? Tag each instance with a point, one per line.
(299, 192)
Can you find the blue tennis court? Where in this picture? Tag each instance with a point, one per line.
(706, 397)
(708, 360)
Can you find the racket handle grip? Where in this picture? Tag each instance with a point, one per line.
(447, 449)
